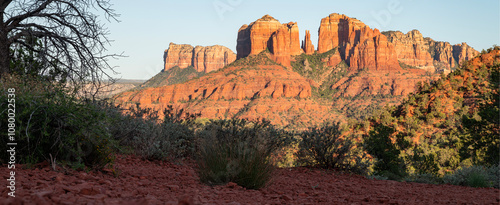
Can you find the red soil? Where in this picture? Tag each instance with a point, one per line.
(146, 182)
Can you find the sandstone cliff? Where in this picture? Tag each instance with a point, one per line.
(267, 33)
(203, 59)
(411, 49)
(358, 45)
(415, 50)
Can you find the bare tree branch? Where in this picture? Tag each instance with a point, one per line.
(64, 35)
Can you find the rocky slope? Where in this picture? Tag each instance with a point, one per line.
(203, 59)
(244, 89)
(425, 53)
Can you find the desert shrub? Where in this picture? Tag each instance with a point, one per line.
(423, 178)
(238, 151)
(327, 147)
(53, 125)
(388, 161)
(475, 176)
(148, 136)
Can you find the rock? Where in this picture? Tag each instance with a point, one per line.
(178, 55)
(463, 52)
(359, 46)
(254, 38)
(211, 58)
(415, 50)
(307, 45)
(448, 56)
(267, 33)
(411, 49)
(203, 59)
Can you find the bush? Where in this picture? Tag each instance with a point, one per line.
(327, 148)
(51, 124)
(424, 178)
(238, 151)
(475, 176)
(379, 144)
(152, 138)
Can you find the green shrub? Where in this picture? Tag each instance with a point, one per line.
(424, 178)
(326, 147)
(152, 138)
(51, 124)
(238, 151)
(474, 176)
(388, 161)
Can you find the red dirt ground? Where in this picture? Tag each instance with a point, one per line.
(146, 182)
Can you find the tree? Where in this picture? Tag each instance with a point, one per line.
(64, 36)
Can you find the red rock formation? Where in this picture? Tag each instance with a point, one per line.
(411, 49)
(358, 45)
(307, 45)
(446, 55)
(210, 58)
(203, 59)
(178, 55)
(463, 52)
(254, 38)
(268, 33)
(280, 46)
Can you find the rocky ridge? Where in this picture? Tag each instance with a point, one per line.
(203, 59)
(425, 53)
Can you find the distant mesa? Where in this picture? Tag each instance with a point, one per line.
(203, 59)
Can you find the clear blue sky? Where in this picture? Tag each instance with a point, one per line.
(148, 26)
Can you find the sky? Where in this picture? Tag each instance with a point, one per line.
(147, 27)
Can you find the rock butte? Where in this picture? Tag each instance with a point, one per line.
(277, 93)
(203, 59)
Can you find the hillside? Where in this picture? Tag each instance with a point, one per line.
(452, 122)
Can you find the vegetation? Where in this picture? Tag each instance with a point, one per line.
(326, 147)
(238, 151)
(448, 124)
(172, 76)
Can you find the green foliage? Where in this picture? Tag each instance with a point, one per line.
(172, 76)
(254, 60)
(424, 178)
(481, 130)
(327, 148)
(380, 145)
(152, 138)
(51, 124)
(316, 64)
(475, 176)
(238, 151)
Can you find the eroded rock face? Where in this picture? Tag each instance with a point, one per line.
(307, 45)
(463, 52)
(415, 50)
(203, 59)
(210, 58)
(358, 45)
(282, 40)
(178, 55)
(411, 49)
